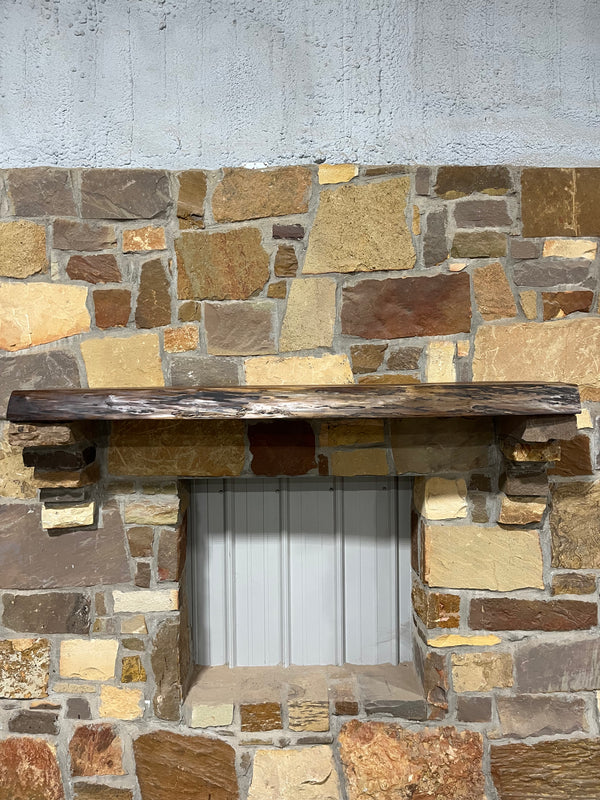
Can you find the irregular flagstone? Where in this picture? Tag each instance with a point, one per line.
(121, 703)
(54, 369)
(41, 191)
(188, 767)
(439, 364)
(570, 666)
(130, 362)
(337, 173)
(190, 201)
(310, 315)
(483, 244)
(406, 307)
(47, 612)
(435, 245)
(166, 667)
(69, 234)
(95, 750)
(154, 297)
(441, 498)
(124, 193)
(252, 194)
(239, 328)
(16, 480)
(221, 266)
(547, 202)
(29, 770)
(575, 525)
(368, 357)
(361, 228)
(101, 268)
(308, 773)
(453, 182)
(550, 273)
(573, 583)
(298, 370)
(37, 313)
(570, 248)
(24, 667)
(493, 294)
(22, 249)
(531, 715)
(561, 304)
(112, 307)
(140, 239)
(482, 214)
(177, 447)
(384, 761)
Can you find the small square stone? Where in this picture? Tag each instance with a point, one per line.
(260, 716)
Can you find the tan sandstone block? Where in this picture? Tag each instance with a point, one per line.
(256, 193)
(441, 498)
(22, 249)
(145, 601)
(310, 315)
(439, 366)
(528, 300)
(143, 239)
(584, 419)
(37, 313)
(562, 350)
(337, 173)
(570, 248)
(308, 773)
(472, 557)
(365, 461)
(121, 703)
(345, 433)
(480, 672)
(16, 480)
(88, 659)
(134, 624)
(129, 362)
(522, 510)
(68, 516)
(64, 687)
(165, 512)
(298, 370)
(456, 640)
(361, 229)
(215, 715)
(180, 340)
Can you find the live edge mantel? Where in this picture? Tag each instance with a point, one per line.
(311, 402)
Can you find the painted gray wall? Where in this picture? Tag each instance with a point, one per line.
(182, 83)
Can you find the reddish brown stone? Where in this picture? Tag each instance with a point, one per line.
(95, 750)
(367, 357)
(252, 193)
(537, 429)
(386, 761)
(323, 462)
(435, 684)
(484, 244)
(283, 231)
(283, 447)
(286, 261)
(404, 358)
(553, 770)
(473, 709)
(573, 583)
(405, 307)
(29, 770)
(547, 202)
(560, 304)
(171, 552)
(102, 268)
(435, 246)
(493, 294)
(535, 715)
(260, 716)
(48, 612)
(455, 182)
(587, 201)
(190, 202)
(575, 458)
(41, 191)
(169, 765)
(243, 328)
(124, 193)
(69, 234)
(505, 614)
(140, 541)
(482, 214)
(112, 307)
(166, 665)
(143, 574)
(154, 298)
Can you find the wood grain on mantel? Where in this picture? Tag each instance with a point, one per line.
(313, 402)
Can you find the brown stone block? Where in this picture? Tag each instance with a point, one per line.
(537, 429)
(553, 770)
(167, 668)
(183, 448)
(521, 249)
(200, 370)
(575, 458)
(561, 304)
(139, 240)
(527, 452)
(95, 750)
(143, 575)
(252, 193)
(440, 445)
(74, 457)
(505, 614)
(190, 201)
(140, 541)
(386, 169)
(493, 294)
(124, 193)
(34, 723)
(363, 461)
(132, 670)
(97, 791)
(587, 199)
(575, 525)
(171, 552)
(435, 762)
(435, 246)
(282, 447)
(404, 358)
(112, 307)
(484, 244)
(197, 767)
(29, 770)
(277, 290)
(436, 684)
(47, 612)
(41, 191)
(479, 512)
(66, 479)
(473, 708)
(102, 268)
(573, 583)
(221, 266)
(547, 202)
(522, 510)
(54, 369)
(435, 609)
(406, 307)
(286, 261)
(558, 666)
(422, 180)
(482, 214)
(453, 182)
(244, 328)
(531, 715)
(41, 434)
(260, 716)
(69, 234)
(344, 433)
(77, 707)
(291, 231)
(22, 249)
(389, 379)
(551, 273)
(154, 297)
(24, 668)
(191, 311)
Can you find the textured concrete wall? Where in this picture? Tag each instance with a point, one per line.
(180, 83)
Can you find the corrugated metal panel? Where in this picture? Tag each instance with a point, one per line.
(301, 571)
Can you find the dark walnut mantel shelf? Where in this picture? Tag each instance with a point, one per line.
(314, 402)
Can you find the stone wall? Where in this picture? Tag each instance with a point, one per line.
(148, 278)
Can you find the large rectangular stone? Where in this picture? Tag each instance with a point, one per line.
(47, 612)
(550, 273)
(124, 193)
(253, 193)
(434, 446)
(575, 525)
(559, 667)
(535, 715)
(506, 614)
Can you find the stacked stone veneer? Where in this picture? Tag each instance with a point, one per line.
(147, 278)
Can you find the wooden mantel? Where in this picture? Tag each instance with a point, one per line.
(314, 402)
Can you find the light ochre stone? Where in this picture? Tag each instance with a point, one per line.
(121, 703)
(308, 773)
(528, 300)
(480, 672)
(563, 350)
(142, 239)
(216, 715)
(365, 461)
(22, 249)
(145, 601)
(337, 173)
(457, 266)
(63, 687)
(522, 510)
(16, 480)
(145, 512)
(37, 313)
(134, 624)
(441, 498)
(439, 364)
(584, 419)
(132, 362)
(298, 370)
(570, 248)
(308, 715)
(361, 229)
(350, 432)
(88, 659)
(463, 348)
(472, 557)
(310, 315)
(24, 668)
(68, 516)
(456, 640)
